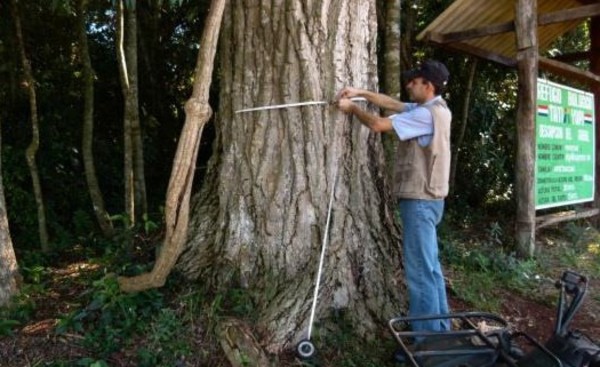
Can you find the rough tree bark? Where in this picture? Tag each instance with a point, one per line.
(88, 124)
(259, 218)
(31, 151)
(9, 269)
(197, 114)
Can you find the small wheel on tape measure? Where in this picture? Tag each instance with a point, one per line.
(305, 349)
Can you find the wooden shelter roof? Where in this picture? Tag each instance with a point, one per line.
(485, 28)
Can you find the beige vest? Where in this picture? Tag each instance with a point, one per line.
(423, 172)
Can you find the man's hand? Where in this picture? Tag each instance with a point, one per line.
(345, 105)
(348, 92)
(381, 100)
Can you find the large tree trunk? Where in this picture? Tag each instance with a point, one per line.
(9, 270)
(31, 151)
(88, 125)
(259, 219)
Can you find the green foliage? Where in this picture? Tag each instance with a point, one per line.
(576, 40)
(53, 51)
(83, 223)
(481, 267)
(486, 157)
(111, 317)
(16, 181)
(574, 232)
(83, 362)
(337, 343)
(61, 6)
(165, 345)
(34, 274)
(129, 4)
(577, 245)
(20, 309)
(149, 225)
(91, 362)
(128, 248)
(7, 326)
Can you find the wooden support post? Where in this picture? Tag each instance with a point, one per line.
(595, 68)
(527, 69)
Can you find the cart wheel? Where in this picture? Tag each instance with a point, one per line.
(305, 349)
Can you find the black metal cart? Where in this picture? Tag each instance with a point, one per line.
(480, 339)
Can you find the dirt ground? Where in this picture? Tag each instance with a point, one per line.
(36, 343)
(537, 318)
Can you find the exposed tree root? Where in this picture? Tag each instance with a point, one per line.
(240, 345)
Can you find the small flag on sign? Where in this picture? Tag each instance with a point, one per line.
(587, 118)
(543, 110)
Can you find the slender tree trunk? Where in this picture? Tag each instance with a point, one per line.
(88, 125)
(149, 43)
(392, 48)
(139, 181)
(527, 67)
(392, 83)
(127, 142)
(177, 208)
(409, 26)
(260, 217)
(30, 153)
(9, 269)
(133, 164)
(463, 122)
(12, 71)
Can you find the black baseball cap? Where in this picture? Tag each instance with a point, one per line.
(430, 70)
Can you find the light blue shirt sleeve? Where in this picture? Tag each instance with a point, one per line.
(415, 121)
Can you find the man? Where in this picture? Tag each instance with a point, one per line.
(421, 179)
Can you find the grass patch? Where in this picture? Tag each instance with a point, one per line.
(479, 268)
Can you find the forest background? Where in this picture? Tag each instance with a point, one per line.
(85, 174)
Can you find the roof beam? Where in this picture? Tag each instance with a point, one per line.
(565, 15)
(485, 54)
(569, 71)
(472, 33)
(573, 56)
(553, 66)
(560, 16)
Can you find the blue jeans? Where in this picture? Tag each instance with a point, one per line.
(426, 286)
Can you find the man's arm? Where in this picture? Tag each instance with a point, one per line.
(373, 122)
(379, 99)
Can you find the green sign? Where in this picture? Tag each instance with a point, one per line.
(565, 146)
